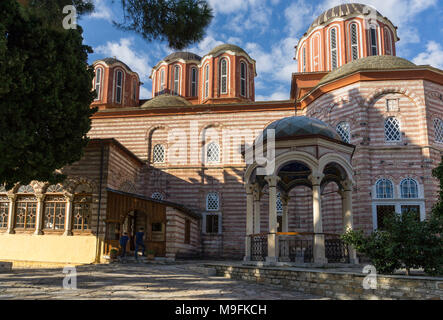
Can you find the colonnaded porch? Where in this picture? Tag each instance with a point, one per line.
(307, 153)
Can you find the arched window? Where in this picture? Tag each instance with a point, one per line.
(344, 130)
(334, 50)
(98, 82)
(4, 211)
(243, 76)
(158, 154)
(279, 204)
(134, 90)
(354, 41)
(304, 59)
(82, 208)
(388, 42)
(194, 82)
(392, 130)
(384, 189)
(162, 79)
(176, 91)
(25, 208)
(213, 152)
(315, 47)
(118, 86)
(373, 41)
(55, 208)
(224, 76)
(212, 202)
(409, 189)
(207, 81)
(438, 130)
(157, 196)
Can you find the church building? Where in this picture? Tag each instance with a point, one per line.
(356, 140)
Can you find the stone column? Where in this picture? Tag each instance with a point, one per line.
(319, 238)
(68, 218)
(39, 219)
(272, 237)
(285, 218)
(11, 213)
(257, 210)
(249, 220)
(348, 223)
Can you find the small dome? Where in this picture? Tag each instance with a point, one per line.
(112, 61)
(300, 126)
(227, 47)
(166, 100)
(368, 63)
(187, 56)
(341, 11)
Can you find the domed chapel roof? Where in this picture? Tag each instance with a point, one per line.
(166, 100)
(300, 126)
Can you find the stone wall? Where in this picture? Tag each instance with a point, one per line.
(337, 285)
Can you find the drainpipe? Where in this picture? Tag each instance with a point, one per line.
(97, 252)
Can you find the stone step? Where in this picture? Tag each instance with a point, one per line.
(202, 270)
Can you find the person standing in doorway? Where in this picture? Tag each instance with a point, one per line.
(139, 241)
(123, 242)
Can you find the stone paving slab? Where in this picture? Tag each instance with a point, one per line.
(137, 281)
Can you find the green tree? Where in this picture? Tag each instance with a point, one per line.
(45, 96)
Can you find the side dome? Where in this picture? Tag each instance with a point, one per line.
(291, 127)
(368, 63)
(227, 47)
(166, 100)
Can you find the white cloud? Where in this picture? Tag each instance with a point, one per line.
(123, 50)
(433, 55)
(101, 11)
(145, 93)
(206, 45)
(298, 17)
(279, 95)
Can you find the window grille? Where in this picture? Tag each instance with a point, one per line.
(384, 189)
(354, 41)
(26, 212)
(334, 58)
(438, 129)
(224, 76)
(158, 154)
(157, 196)
(4, 211)
(25, 189)
(54, 214)
(54, 188)
(243, 79)
(392, 130)
(279, 204)
(409, 189)
(213, 153)
(212, 202)
(82, 212)
(344, 130)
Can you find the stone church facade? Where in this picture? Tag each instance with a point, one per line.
(175, 164)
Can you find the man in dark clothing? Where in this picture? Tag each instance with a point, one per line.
(123, 241)
(139, 236)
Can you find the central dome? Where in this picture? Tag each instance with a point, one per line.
(300, 126)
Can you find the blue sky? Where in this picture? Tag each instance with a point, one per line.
(268, 30)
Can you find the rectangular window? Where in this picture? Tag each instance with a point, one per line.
(383, 212)
(157, 227)
(54, 216)
(4, 212)
(187, 231)
(391, 105)
(212, 222)
(82, 213)
(280, 223)
(26, 213)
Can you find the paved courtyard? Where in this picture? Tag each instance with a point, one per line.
(136, 281)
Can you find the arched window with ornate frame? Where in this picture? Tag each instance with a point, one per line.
(384, 189)
(409, 189)
(82, 208)
(25, 208)
(54, 208)
(118, 86)
(98, 80)
(194, 82)
(224, 77)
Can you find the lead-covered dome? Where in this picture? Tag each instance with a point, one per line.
(166, 100)
(186, 56)
(300, 126)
